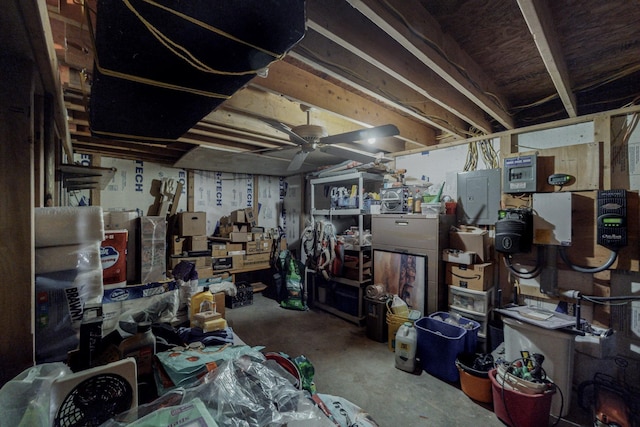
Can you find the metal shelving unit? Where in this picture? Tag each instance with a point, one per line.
(362, 250)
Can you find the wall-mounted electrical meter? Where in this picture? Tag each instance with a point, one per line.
(519, 174)
(612, 218)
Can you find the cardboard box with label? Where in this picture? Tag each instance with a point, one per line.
(472, 240)
(218, 249)
(259, 246)
(477, 277)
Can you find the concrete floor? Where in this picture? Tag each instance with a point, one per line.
(350, 365)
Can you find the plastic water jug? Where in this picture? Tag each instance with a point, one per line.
(406, 343)
(399, 307)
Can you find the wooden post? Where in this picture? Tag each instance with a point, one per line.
(16, 216)
(602, 135)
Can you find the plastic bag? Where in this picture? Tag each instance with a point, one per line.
(246, 392)
(346, 414)
(24, 401)
(242, 392)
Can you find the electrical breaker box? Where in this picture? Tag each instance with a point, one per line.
(519, 174)
(478, 197)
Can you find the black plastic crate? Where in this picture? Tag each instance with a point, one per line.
(243, 297)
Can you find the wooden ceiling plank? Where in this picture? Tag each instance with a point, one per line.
(473, 84)
(312, 90)
(257, 102)
(539, 20)
(351, 30)
(324, 56)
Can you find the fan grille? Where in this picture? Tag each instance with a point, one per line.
(94, 401)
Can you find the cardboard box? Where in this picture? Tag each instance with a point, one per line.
(226, 230)
(457, 256)
(219, 299)
(176, 245)
(234, 247)
(239, 236)
(197, 243)
(192, 223)
(238, 261)
(205, 272)
(218, 249)
(249, 217)
(478, 277)
(475, 240)
(259, 246)
(257, 258)
(237, 216)
(222, 263)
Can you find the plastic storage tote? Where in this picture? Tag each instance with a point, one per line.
(439, 344)
(517, 409)
(471, 326)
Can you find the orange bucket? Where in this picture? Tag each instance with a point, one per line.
(475, 384)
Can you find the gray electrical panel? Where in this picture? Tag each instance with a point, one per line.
(519, 174)
(478, 197)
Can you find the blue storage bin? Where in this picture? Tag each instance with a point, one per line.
(471, 326)
(439, 344)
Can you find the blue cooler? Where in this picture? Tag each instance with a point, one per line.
(439, 344)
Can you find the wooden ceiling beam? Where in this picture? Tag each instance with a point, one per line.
(307, 88)
(419, 33)
(539, 20)
(333, 60)
(246, 106)
(344, 25)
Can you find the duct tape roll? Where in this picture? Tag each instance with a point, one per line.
(374, 291)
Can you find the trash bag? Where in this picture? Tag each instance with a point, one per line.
(293, 288)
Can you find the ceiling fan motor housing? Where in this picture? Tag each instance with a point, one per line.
(310, 133)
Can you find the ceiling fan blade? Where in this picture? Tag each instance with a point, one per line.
(286, 129)
(360, 135)
(297, 161)
(352, 154)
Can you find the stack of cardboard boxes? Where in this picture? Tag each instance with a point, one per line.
(241, 244)
(469, 275)
(189, 242)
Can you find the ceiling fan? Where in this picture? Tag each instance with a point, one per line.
(311, 137)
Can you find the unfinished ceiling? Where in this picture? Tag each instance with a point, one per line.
(439, 70)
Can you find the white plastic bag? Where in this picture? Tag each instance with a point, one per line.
(24, 401)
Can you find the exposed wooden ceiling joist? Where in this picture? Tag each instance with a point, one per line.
(414, 29)
(321, 54)
(312, 90)
(540, 23)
